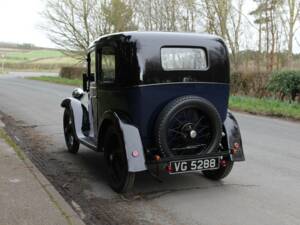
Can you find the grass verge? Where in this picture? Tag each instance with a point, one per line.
(265, 106)
(11, 143)
(58, 80)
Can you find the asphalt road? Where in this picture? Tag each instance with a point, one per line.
(263, 190)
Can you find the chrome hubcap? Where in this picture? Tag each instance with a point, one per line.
(193, 134)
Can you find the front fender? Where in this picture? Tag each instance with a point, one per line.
(233, 135)
(75, 107)
(132, 141)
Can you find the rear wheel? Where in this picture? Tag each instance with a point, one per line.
(220, 173)
(120, 179)
(69, 132)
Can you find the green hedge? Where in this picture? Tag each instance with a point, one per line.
(285, 84)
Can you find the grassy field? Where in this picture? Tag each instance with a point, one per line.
(34, 59)
(268, 107)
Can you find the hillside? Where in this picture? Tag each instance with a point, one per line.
(31, 58)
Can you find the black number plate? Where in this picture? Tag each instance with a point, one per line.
(194, 165)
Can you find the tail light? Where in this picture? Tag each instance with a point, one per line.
(156, 157)
(223, 163)
(169, 169)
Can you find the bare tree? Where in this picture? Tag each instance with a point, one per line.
(67, 23)
(290, 15)
(162, 15)
(73, 24)
(223, 18)
(188, 15)
(258, 13)
(268, 16)
(119, 16)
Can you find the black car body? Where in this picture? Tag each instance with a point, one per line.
(163, 98)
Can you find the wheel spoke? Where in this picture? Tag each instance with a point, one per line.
(177, 132)
(202, 129)
(198, 122)
(182, 139)
(180, 122)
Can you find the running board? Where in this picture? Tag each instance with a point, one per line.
(89, 142)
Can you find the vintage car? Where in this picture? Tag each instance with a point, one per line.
(156, 101)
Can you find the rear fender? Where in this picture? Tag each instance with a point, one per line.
(132, 140)
(233, 135)
(76, 108)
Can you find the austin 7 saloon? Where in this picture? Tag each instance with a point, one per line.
(156, 101)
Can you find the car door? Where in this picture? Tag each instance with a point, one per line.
(107, 66)
(93, 90)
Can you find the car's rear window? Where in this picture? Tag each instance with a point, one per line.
(177, 58)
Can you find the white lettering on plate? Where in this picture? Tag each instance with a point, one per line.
(177, 166)
(183, 166)
(193, 165)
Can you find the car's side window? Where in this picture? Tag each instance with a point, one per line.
(108, 65)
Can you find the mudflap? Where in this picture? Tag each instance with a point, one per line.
(132, 142)
(233, 135)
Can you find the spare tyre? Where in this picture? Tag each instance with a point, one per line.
(188, 125)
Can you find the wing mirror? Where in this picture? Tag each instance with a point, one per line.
(86, 79)
(78, 93)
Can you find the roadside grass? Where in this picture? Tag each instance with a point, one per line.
(28, 56)
(64, 60)
(265, 106)
(34, 54)
(58, 80)
(11, 143)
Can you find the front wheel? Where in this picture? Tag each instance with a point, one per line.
(120, 179)
(69, 132)
(220, 173)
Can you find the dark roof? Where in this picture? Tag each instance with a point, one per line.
(151, 35)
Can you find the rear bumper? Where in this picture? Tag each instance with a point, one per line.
(221, 154)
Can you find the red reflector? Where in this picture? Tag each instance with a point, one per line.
(236, 145)
(223, 163)
(169, 169)
(135, 153)
(235, 148)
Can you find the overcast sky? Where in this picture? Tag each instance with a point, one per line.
(19, 20)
